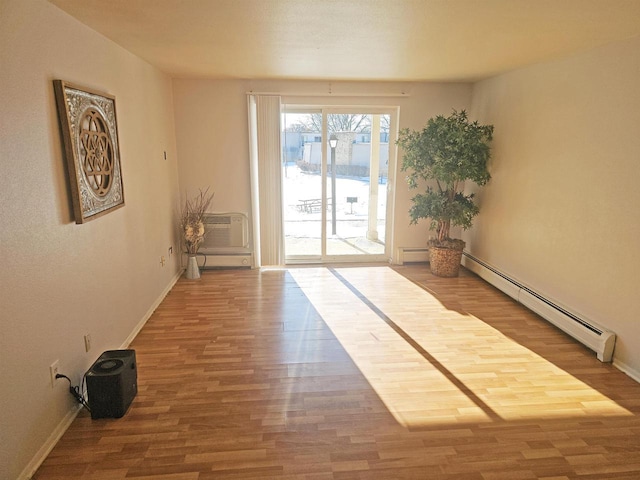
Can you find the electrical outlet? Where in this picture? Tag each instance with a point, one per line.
(87, 342)
(162, 261)
(53, 371)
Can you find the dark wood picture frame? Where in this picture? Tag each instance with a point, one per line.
(92, 150)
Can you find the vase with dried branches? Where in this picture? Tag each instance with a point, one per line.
(192, 227)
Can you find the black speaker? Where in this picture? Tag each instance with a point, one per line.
(112, 383)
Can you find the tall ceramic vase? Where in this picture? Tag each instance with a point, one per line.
(193, 271)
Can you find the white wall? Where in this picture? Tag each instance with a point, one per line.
(60, 281)
(561, 212)
(212, 132)
(565, 173)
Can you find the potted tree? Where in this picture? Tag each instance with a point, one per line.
(447, 152)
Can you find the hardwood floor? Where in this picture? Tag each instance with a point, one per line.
(357, 373)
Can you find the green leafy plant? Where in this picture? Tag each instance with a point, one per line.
(449, 150)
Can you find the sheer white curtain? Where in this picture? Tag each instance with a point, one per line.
(266, 179)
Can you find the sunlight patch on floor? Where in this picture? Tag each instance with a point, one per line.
(439, 365)
(413, 390)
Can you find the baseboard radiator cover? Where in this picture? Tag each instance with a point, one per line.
(236, 260)
(589, 333)
(412, 255)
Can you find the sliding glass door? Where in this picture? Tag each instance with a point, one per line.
(302, 190)
(336, 165)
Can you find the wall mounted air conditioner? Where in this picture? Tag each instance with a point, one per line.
(226, 241)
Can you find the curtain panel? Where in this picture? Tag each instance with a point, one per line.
(266, 179)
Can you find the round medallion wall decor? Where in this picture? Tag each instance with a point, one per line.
(90, 137)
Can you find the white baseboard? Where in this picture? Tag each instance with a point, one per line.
(41, 454)
(152, 309)
(630, 371)
(68, 419)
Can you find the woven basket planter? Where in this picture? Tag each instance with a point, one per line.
(444, 262)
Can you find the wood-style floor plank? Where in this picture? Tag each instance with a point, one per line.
(357, 373)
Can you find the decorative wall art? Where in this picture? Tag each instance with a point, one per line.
(90, 138)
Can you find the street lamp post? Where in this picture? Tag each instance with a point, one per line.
(333, 143)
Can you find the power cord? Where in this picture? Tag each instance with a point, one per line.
(77, 391)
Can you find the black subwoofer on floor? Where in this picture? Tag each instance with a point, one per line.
(112, 383)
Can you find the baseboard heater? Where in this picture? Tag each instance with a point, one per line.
(412, 255)
(216, 261)
(585, 331)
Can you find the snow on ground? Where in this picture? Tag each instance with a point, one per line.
(303, 227)
(299, 186)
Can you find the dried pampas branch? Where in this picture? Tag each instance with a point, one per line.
(191, 222)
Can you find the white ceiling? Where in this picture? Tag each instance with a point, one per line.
(392, 40)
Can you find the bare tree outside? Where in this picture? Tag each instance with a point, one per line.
(297, 127)
(336, 123)
(385, 123)
(359, 123)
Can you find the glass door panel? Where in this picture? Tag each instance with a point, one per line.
(302, 185)
(357, 184)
